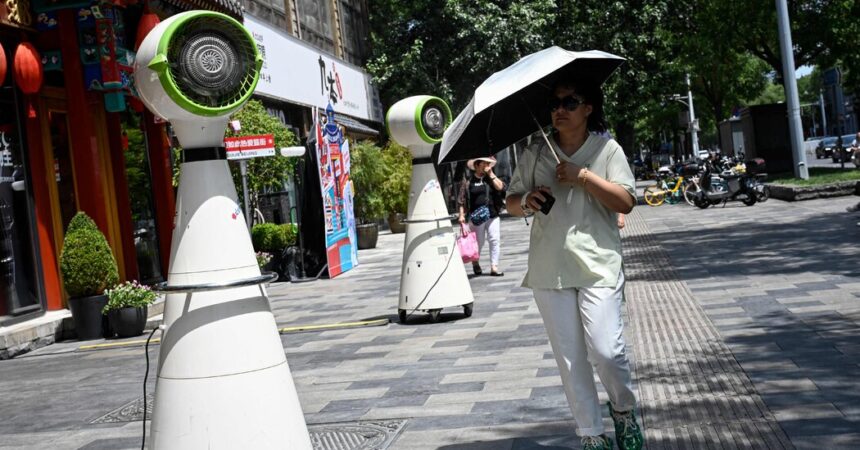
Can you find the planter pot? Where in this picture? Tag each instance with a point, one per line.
(128, 322)
(367, 233)
(395, 223)
(90, 323)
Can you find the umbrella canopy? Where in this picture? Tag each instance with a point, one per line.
(505, 106)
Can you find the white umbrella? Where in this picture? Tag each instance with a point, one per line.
(511, 104)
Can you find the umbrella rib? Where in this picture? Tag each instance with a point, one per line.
(545, 138)
(489, 124)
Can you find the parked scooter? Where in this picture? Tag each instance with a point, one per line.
(721, 186)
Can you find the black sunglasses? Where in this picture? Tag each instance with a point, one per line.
(569, 103)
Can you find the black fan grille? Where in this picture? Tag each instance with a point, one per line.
(212, 62)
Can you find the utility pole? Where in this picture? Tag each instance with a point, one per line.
(823, 114)
(243, 168)
(693, 124)
(794, 124)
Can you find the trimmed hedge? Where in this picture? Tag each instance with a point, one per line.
(86, 261)
(273, 238)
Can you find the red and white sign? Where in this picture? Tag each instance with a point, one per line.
(246, 147)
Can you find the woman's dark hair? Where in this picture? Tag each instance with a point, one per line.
(593, 95)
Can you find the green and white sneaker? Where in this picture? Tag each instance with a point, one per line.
(601, 442)
(627, 431)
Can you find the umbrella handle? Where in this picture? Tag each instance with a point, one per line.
(545, 138)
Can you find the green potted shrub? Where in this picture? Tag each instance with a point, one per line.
(395, 190)
(368, 175)
(127, 308)
(270, 240)
(88, 268)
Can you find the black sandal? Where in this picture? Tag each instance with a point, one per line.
(476, 269)
(497, 274)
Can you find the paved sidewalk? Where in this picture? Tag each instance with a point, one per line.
(781, 283)
(711, 368)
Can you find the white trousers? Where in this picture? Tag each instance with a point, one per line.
(490, 230)
(585, 329)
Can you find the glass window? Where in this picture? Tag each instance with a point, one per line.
(138, 174)
(354, 31)
(315, 20)
(19, 288)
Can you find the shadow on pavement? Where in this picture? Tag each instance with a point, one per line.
(528, 443)
(824, 244)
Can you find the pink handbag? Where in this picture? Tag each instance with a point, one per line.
(468, 244)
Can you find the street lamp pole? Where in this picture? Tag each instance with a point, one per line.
(794, 124)
(823, 115)
(693, 128)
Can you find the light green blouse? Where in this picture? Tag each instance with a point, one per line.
(577, 244)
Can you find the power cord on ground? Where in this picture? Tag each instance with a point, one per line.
(450, 257)
(145, 378)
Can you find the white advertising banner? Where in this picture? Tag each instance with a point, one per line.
(298, 73)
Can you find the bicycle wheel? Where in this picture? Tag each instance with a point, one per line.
(763, 194)
(690, 191)
(654, 196)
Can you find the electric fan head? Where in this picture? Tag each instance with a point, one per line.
(197, 64)
(418, 122)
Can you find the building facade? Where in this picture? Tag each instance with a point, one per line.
(314, 50)
(73, 138)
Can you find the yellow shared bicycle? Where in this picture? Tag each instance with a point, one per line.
(667, 190)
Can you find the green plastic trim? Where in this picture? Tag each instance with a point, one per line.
(420, 107)
(159, 64)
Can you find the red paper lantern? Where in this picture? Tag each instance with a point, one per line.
(2, 65)
(27, 68)
(148, 21)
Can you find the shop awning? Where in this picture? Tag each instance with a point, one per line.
(354, 125)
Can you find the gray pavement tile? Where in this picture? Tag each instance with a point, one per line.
(547, 372)
(783, 267)
(821, 427)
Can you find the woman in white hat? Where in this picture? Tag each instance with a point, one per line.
(481, 198)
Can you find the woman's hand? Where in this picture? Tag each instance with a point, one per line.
(567, 173)
(462, 219)
(535, 198)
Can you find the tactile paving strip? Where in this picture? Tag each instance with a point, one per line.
(693, 394)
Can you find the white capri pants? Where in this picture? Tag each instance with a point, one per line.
(490, 230)
(585, 329)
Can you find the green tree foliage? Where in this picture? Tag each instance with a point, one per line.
(368, 175)
(447, 48)
(87, 264)
(626, 29)
(729, 47)
(723, 73)
(265, 174)
(818, 28)
(772, 93)
(397, 161)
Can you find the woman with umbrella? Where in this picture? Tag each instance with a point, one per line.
(575, 256)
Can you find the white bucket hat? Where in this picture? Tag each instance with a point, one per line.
(471, 163)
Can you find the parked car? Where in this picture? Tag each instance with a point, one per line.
(825, 147)
(846, 145)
